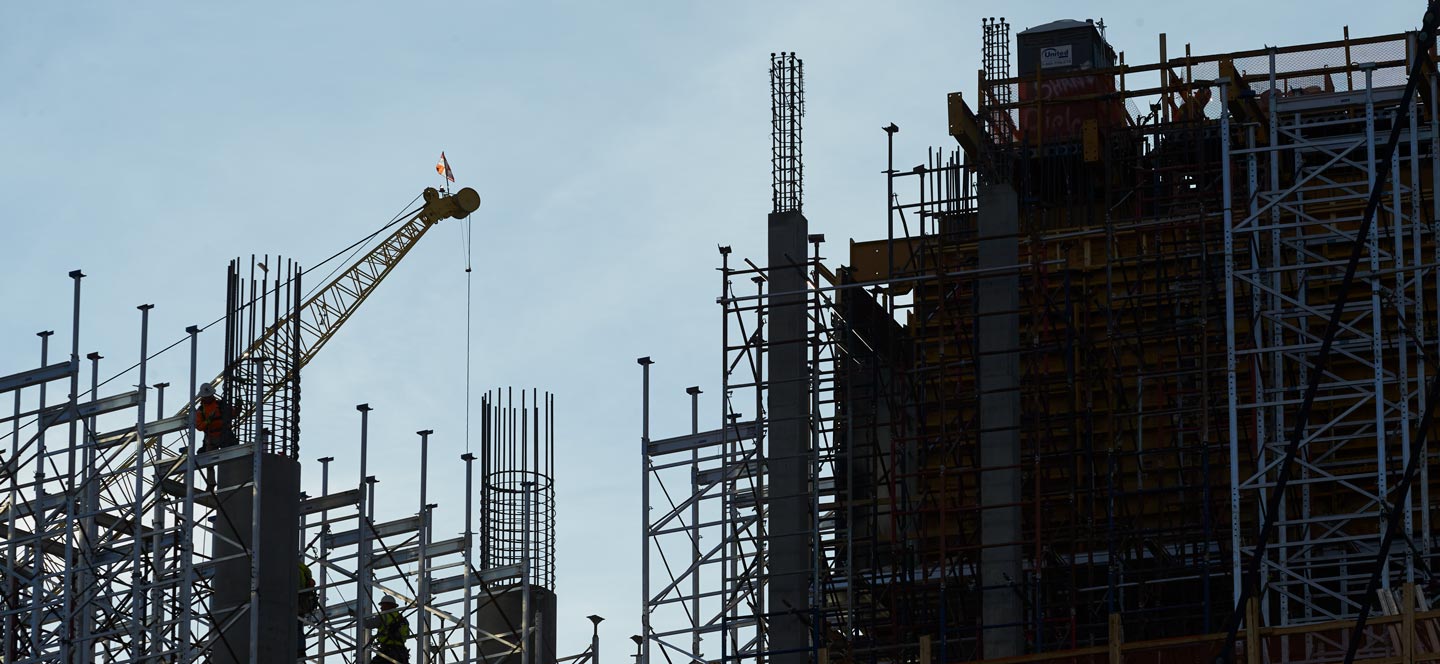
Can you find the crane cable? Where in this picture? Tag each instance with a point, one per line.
(468, 236)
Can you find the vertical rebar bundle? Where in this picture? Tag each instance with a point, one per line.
(517, 523)
(995, 56)
(259, 400)
(787, 108)
(517, 459)
(259, 365)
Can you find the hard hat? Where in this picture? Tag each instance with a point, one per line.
(387, 601)
(207, 390)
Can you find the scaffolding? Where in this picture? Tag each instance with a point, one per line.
(129, 537)
(711, 487)
(1297, 178)
(739, 521)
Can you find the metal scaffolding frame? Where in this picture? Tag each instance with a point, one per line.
(1297, 183)
(706, 495)
(114, 531)
(757, 490)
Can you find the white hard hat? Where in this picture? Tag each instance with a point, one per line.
(207, 390)
(387, 601)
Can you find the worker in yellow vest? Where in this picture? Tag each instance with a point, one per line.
(308, 601)
(392, 633)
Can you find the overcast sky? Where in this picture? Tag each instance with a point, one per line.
(614, 144)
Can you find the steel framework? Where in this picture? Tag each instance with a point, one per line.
(112, 546)
(707, 601)
(1298, 192)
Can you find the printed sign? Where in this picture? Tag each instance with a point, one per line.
(1070, 100)
(1055, 56)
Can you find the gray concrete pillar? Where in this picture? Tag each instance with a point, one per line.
(998, 338)
(792, 549)
(279, 559)
(501, 613)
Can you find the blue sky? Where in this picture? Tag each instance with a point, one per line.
(614, 144)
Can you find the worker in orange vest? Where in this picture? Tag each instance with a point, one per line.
(212, 418)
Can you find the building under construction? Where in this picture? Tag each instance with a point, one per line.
(1140, 366)
(1139, 370)
(137, 534)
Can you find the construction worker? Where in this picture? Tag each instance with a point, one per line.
(1193, 108)
(309, 601)
(391, 632)
(212, 418)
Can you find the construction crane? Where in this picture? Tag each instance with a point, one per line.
(115, 619)
(325, 310)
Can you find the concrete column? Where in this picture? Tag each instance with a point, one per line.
(792, 551)
(501, 614)
(998, 337)
(279, 556)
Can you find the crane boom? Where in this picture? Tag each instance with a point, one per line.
(323, 313)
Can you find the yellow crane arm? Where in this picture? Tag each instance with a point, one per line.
(326, 310)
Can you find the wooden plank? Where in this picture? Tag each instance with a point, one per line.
(1387, 605)
(1430, 627)
(1252, 632)
(1407, 609)
(1117, 638)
